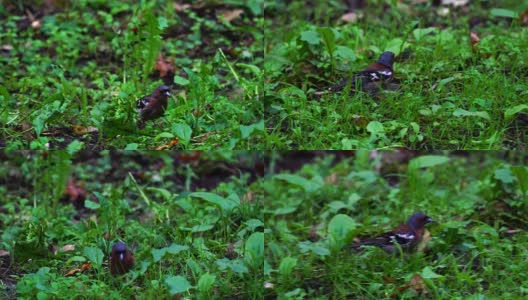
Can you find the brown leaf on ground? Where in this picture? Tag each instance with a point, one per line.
(72, 272)
(66, 248)
(350, 17)
(171, 144)
(455, 3)
(474, 38)
(474, 41)
(194, 156)
(524, 17)
(181, 7)
(81, 130)
(203, 137)
(83, 268)
(86, 265)
(75, 193)
(166, 69)
(416, 283)
(247, 198)
(230, 15)
(331, 179)
(164, 66)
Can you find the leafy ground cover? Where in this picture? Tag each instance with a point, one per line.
(316, 208)
(196, 219)
(461, 73)
(72, 71)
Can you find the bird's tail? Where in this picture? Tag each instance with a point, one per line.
(331, 88)
(379, 242)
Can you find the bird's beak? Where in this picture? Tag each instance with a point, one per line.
(167, 93)
(429, 220)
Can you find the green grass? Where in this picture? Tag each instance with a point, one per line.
(197, 224)
(478, 247)
(83, 64)
(449, 97)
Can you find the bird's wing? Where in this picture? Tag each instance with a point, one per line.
(401, 235)
(143, 102)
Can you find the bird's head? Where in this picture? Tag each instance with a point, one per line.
(119, 250)
(163, 90)
(419, 220)
(386, 59)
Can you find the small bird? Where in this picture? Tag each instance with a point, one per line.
(121, 259)
(369, 80)
(407, 236)
(153, 106)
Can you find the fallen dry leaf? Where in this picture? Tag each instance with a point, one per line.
(230, 15)
(247, 198)
(455, 3)
(81, 130)
(350, 17)
(474, 38)
(203, 137)
(75, 194)
(181, 7)
(66, 248)
(84, 267)
(417, 283)
(72, 272)
(164, 66)
(171, 144)
(508, 232)
(194, 156)
(331, 179)
(524, 17)
(474, 41)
